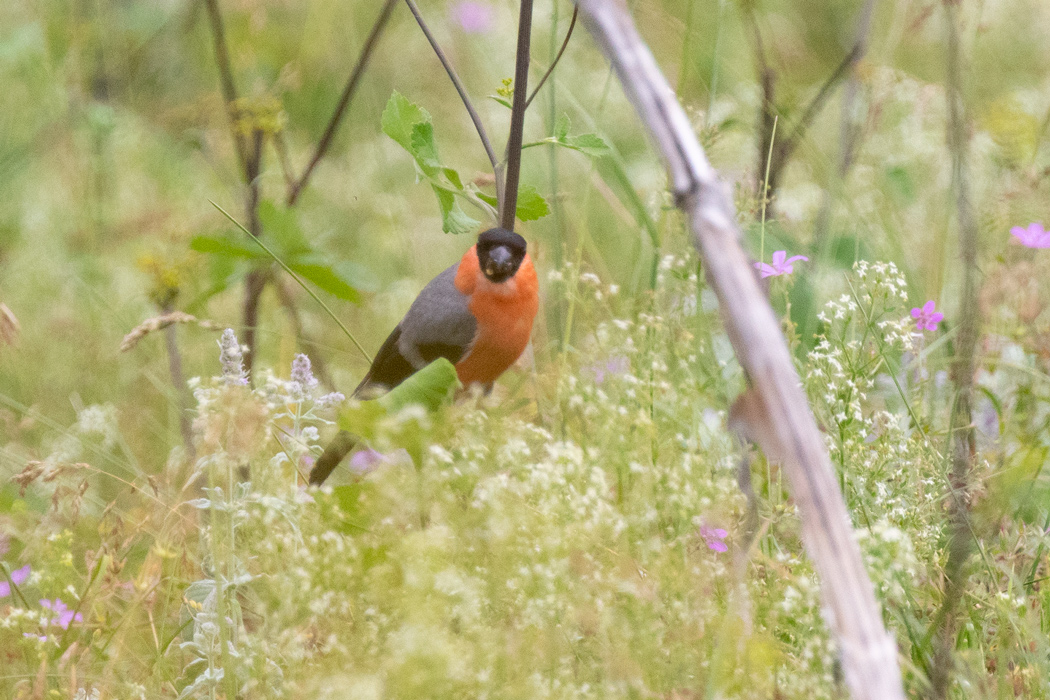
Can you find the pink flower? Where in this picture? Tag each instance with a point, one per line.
(65, 615)
(714, 537)
(19, 576)
(927, 318)
(1032, 236)
(782, 265)
(473, 17)
(616, 365)
(366, 460)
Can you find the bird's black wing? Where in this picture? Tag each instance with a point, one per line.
(438, 324)
(389, 368)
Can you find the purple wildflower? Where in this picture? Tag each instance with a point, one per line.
(782, 265)
(927, 317)
(232, 359)
(302, 374)
(19, 576)
(473, 17)
(1032, 236)
(65, 615)
(615, 365)
(366, 460)
(333, 399)
(714, 537)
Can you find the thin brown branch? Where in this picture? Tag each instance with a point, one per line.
(849, 127)
(256, 280)
(554, 63)
(229, 88)
(474, 117)
(178, 381)
(344, 100)
(280, 146)
(785, 147)
(963, 436)
(783, 424)
(509, 204)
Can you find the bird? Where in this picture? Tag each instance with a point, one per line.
(477, 314)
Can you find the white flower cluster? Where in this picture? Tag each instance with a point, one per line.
(863, 327)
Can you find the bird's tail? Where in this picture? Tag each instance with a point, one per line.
(337, 449)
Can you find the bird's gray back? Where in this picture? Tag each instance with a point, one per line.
(438, 323)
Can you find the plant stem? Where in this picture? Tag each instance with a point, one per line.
(508, 207)
(474, 117)
(229, 88)
(179, 382)
(554, 63)
(255, 282)
(765, 193)
(963, 436)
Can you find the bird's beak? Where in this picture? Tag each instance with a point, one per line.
(500, 262)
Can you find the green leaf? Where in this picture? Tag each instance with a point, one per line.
(327, 279)
(561, 127)
(283, 226)
(453, 218)
(423, 149)
(430, 387)
(227, 247)
(453, 177)
(588, 144)
(503, 101)
(400, 117)
(531, 205)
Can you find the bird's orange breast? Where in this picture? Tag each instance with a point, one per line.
(504, 313)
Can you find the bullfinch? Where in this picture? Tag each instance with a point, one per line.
(477, 314)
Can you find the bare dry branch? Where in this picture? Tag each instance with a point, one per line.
(785, 423)
(344, 100)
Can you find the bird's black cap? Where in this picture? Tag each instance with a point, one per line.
(501, 236)
(500, 252)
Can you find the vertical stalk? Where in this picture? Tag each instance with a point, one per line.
(178, 381)
(509, 205)
(962, 436)
(256, 280)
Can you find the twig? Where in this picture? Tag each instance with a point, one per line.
(554, 63)
(849, 130)
(344, 100)
(229, 88)
(256, 280)
(281, 148)
(474, 117)
(963, 435)
(783, 423)
(785, 148)
(509, 205)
